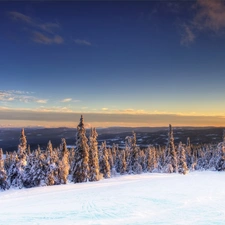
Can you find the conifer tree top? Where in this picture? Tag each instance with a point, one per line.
(81, 124)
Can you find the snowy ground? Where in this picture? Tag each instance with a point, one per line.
(197, 198)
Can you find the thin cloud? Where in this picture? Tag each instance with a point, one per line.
(105, 109)
(48, 37)
(42, 101)
(209, 16)
(67, 100)
(21, 17)
(48, 26)
(187, 35)
(19, 96)
(82, 42)
(43, 39)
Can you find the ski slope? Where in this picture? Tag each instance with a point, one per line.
(196, 198)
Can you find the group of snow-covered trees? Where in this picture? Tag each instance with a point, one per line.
(90, 162)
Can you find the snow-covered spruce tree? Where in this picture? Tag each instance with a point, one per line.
(123, 164)
(118, 158)
(81, 167)
(3, 175)
(223, 135)
(15, 172)
(93, 156)
(171, 156)
(64, 163)
(35, 172)
(23, 144)
(220, 159)
(8, 161)
(181, 158)
(142, 161)
(133, 165)
(114, 154)
(151, 159)
(110, 157)
(194, 158)
(49, 151)
(104, 161)
(160, 158)
(188, 151)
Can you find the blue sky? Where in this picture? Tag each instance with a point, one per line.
(119, 58)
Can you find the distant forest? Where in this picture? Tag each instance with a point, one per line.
(89, 161)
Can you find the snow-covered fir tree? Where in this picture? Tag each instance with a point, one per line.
(123, 164)
(133, 165)
(181, 158)
(142, 161)
(171, 156)
(49, 151)
(64, 163)
(114, 154)
(220, 159)
(81, 167)
(93, 156)
(3, 175)
(16, 170)
(151, 159)
(223, 135)
(104, 161)
(23, 144)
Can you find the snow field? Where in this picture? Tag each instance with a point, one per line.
(195, 198)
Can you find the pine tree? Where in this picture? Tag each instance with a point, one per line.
(81, 167)
(151, 159)
(64, 163)
(223, 135)
(15, 173)
(182, 164)
(23, 144)
(105, 169)
(3, 175)
(49, 150)
(114, 154)
(133, 160)
(123, 163)
(171, 156)
(93, 156)
(142, 161)
(220, 159)
(118, 159)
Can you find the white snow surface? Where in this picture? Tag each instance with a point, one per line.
(195, 198)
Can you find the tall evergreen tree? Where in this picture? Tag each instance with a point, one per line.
(133, 160)
(64, 163)
(182, 164)
(104, 161)
(3, 175)
(223, 135)
(93, 156)
(151, 159)
(23, 144)
(123, 164)
(81, 167)
(220, 159)
(171, 156)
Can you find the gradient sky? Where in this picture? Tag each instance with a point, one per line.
(147, 60)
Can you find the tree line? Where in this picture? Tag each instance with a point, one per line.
(90, 162)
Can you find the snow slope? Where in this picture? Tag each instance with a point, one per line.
(197, 198)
